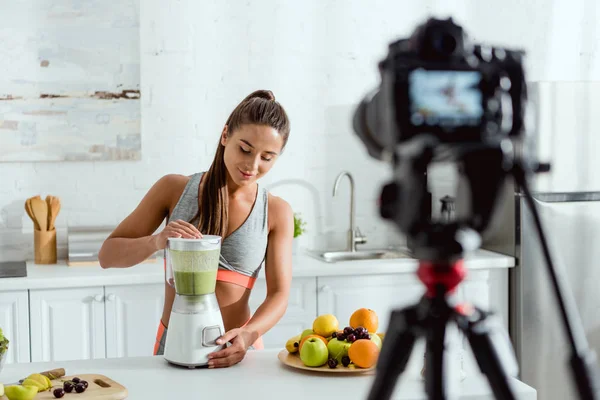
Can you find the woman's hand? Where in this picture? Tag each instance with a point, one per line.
(176, 229)
(240, 340)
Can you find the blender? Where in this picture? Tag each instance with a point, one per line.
(195, 323)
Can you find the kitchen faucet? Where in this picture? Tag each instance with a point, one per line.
(354, 235)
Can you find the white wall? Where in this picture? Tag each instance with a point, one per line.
(199, 59)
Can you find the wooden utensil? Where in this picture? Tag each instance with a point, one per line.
(53, 210)
(40, 212)
(43, 214)
(99, 387)
(51, 374)
(29, 210)
(54, 373)
(49, 204)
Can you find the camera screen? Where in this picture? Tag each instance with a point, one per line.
(445, 98)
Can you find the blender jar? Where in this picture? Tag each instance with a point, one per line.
(192, 264)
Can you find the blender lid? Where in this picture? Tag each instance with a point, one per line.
(204, 238)
(208, 242)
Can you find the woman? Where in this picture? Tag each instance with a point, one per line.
(226, 200)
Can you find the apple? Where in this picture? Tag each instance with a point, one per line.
(375, 338)
(314, 352)
(338, 348)
(305, 333)
(19, 392)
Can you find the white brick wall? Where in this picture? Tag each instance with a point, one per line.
(200, 58)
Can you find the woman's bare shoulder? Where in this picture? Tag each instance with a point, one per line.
(174, 181)
(280, 212)
(172, 186)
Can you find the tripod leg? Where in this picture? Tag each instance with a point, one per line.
(478, 328)
(397, 346)
(434, 361)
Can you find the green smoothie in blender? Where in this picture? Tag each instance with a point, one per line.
(195, 272)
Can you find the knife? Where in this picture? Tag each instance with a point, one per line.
(51, 374)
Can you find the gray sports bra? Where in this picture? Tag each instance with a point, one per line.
(243, 251)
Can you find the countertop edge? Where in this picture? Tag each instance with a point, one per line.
(61, 275)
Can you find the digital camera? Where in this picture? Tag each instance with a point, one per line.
(436, 83)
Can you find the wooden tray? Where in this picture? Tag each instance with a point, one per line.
(99, 387)
(293, 360)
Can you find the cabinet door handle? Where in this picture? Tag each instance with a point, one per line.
(326, 289)
(110, 297)
(99, 298)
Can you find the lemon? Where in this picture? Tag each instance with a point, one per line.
(32, 382)
(43, 382)
(324, 325)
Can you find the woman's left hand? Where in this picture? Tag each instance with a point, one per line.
(240, 341)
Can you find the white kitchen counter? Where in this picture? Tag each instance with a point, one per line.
(62, 276)
(259, 376)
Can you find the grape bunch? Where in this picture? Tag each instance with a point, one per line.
(68, 386)
(351, 334)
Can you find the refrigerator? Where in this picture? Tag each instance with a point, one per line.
(566, 133)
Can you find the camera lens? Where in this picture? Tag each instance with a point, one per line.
(367, 123)
(444, 43)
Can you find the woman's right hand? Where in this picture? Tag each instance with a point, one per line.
(176, 229)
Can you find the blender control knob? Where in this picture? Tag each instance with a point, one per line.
(99, 298)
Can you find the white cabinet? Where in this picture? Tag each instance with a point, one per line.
(122, 320)
(300, 313)
(132, 317)
(342, 295)
(14, 321)
(67, 324)
(97, 322)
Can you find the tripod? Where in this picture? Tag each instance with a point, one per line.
(429, 318)
(436, 309)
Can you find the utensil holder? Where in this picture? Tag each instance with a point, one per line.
(44, 246)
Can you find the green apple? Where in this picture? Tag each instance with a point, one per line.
(19, 392)
(314, 352)
(375, 338)
(338, 348)
(305, 333)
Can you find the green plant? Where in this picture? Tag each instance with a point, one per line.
(299, 225)
(3, 343)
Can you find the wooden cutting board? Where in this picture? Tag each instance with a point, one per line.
(99, 387)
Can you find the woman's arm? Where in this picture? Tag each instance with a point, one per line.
(133, 241)
(278, 269)
(278, 273)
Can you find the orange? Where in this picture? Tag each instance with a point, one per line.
(366, 318)
(364, 353)
(310, 336)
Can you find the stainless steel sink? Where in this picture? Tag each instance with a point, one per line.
(344, 255)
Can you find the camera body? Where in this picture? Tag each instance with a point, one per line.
(442, 98)
(436, 83)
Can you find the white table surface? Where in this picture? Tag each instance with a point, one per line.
(259, 376)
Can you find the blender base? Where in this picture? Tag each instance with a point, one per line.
(192, 336)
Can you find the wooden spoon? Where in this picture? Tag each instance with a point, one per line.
(49, 205)
(40, 211)
(29, 210)
(53, 210)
